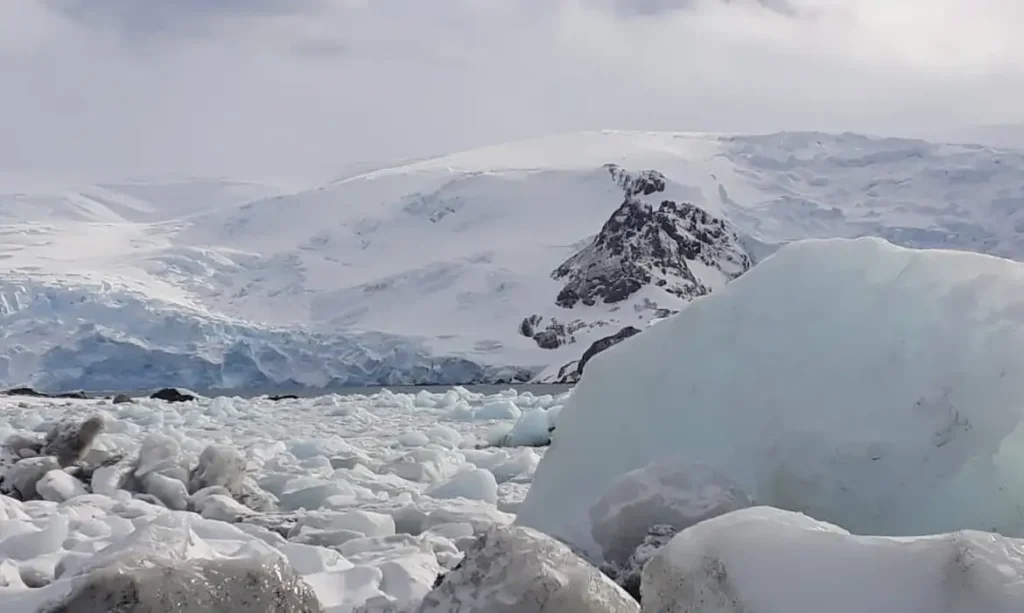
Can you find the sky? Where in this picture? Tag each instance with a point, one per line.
(252, 88)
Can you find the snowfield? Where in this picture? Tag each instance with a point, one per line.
(426, 272)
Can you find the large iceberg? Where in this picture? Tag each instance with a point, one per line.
(867, 385)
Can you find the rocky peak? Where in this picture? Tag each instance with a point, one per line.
(642, 245)
(643, 183)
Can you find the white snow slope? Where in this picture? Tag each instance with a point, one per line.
(423, 272)
(867, 385)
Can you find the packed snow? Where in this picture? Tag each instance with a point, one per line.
(423, 272)
(867, 385)
(359, 501)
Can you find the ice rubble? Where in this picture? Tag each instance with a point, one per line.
(764, 560)
(867, 385)
(513, 569)
(305, 481)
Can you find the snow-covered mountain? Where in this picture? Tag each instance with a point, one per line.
(504, 262)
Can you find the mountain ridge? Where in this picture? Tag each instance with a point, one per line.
(447, 258)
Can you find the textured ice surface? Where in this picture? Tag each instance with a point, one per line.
(875, 387)
(667, 493)
(763, 560)
(364, 535)
(519, 570)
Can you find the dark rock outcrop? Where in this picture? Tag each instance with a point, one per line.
(32, 393)
(571, 372)
(529, 325)
(170, 394)
(25, 391)
(603, 344)
(629, 575)
(553, 335)
(641, 245)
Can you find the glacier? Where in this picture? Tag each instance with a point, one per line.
(425, 271)
(867, 385)
(107, 337)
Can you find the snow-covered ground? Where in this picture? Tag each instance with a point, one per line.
(424, 272)
(375, 493)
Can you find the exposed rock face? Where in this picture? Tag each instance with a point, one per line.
(31, 393)
(572, 374)
(555, 333)
(170, 394)
(651, 257)
(629, 575)
(642, 245)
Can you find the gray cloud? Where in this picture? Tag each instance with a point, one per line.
(272, 89)
(139, 18)
(320, 48)
(660, 7)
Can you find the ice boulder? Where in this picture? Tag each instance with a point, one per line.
(165, 565)
(764, 560)
(219, 465)
(239, 585)
(533, 430)
(22, 478)
(69, 441)
(473, 484)
(58, 486)
(512, 569)
(160, 453)
(874, 387)
(667, 493)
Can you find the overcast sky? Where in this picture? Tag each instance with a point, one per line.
(253, 87)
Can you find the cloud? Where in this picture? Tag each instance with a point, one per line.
(140, 18)
(657, 8)
(262, 87)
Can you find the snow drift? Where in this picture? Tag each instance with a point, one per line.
(763, 560)
(868, 385)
